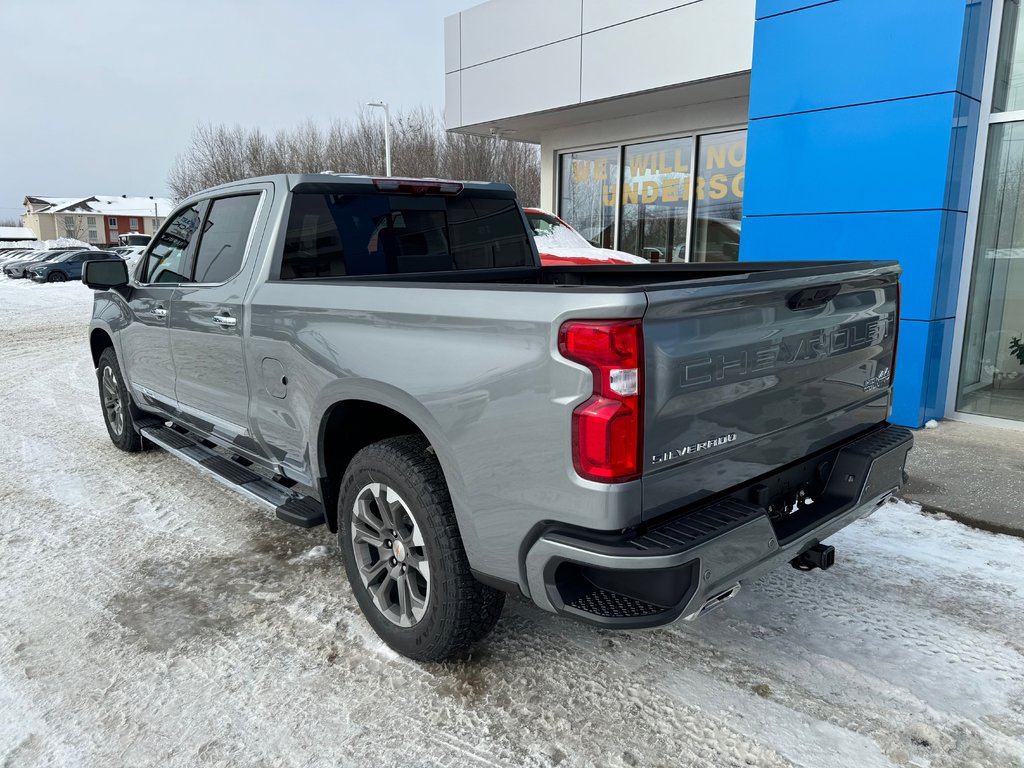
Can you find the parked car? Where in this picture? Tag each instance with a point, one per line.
(10, 254)
(559, 244)
(65, 267)
(19, 267)
(626, 446)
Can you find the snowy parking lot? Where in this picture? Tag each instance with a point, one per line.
(150, 616)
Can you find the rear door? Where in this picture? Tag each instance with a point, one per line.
(743, 378)
(145, 340)
(207, 320)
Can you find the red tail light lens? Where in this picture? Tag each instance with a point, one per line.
(607, 430)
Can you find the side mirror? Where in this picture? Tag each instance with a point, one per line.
(103, 275)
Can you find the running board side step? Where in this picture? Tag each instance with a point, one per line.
(290, 506)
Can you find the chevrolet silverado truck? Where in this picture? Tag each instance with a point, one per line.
(626, 445)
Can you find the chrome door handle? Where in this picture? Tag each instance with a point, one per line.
(225, 321)
(160, 312)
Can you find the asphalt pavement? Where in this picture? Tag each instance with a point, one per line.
(972, 473)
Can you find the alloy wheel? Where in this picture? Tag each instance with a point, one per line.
(390, 553)
(113, 409)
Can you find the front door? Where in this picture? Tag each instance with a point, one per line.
(207, 320)
(145, 340)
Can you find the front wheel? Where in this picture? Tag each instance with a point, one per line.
(56, 277)
(403, 554)
(118, 411)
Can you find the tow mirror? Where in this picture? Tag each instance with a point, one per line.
(103, 275)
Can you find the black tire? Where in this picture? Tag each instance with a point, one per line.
(56, 277)
(459, 609)
(123, 434)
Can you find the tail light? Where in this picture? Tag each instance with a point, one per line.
(607, 430)
(896, 333)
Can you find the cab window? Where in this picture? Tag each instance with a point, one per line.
(164, 262)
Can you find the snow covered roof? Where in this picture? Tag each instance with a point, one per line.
(16, 233)
(109, 205)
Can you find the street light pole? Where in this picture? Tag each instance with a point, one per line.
(387, 133)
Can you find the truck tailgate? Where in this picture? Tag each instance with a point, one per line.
(743, 377)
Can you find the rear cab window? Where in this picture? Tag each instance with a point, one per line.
(376, 233)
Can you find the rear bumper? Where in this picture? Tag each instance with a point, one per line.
(682, 566)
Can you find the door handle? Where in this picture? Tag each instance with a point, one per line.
(160, 312)
(225, 321)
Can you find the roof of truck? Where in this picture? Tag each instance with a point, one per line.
(292, 180)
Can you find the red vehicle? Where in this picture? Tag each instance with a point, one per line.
(559, 244)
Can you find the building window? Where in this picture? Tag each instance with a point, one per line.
(589, 195)
(718, 209)
(156, 224)
(992, 365)
(90, 221)
(661, 206)
(69, 226)
(112, 222)
(133, 224)
(92, 236)
(991, 381)
(656, 199)
(1008, 94)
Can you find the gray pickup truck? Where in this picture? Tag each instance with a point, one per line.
(627, 445)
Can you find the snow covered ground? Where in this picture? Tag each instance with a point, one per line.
(149, 616)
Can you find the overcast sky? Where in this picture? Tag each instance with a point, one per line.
(98, 98)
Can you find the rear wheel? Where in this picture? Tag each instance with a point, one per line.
(119, 413)
(403, 554)
(56, 277)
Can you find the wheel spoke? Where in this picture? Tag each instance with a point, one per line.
(405, 600)
(371, 571)
(385, 497)
(363, 532)
(419, 564)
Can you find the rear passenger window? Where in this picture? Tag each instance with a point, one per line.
(379, 234)
(163, 265)
(225, 234)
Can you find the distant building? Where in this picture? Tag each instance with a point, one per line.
(97, 220)
(16, 234)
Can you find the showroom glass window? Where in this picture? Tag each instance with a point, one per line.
(589, 194)
(656, 199)
(718, 205)
(675, 200)
(991, 379)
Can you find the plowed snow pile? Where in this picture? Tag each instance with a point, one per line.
(148, 616)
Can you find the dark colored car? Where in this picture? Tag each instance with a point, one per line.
(66, 267)
(19, 267)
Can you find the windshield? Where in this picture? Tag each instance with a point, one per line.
(549, 231)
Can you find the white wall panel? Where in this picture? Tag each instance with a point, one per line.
(453, 100)
(452, 44)
(503, 27)
(533, 81)
(604, 13)
(694, 42)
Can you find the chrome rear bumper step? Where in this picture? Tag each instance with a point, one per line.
(289, 505)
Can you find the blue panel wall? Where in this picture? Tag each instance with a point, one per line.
(863, 121)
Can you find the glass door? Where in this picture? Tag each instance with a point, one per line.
(991, 379)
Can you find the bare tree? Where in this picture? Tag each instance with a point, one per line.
(420, 147)
(72, 226)
(10, 221)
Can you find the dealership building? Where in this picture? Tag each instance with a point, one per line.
(720, 130)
